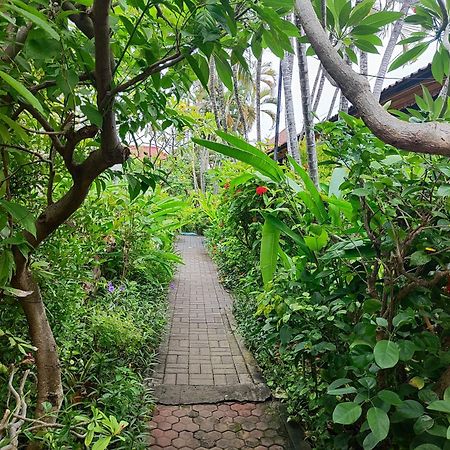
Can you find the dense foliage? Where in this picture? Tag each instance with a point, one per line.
(352, 325)
(109, 267)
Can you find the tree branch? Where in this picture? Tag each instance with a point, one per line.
(430, 138)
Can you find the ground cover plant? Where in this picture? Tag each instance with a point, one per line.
(343, 290)
(110, 267)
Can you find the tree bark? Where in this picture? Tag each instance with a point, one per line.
(49, 386)
(239, 103)
(292, 143)
(308, 119)
(258, 98)
(278, 113)
(387, 55)
(429, 138)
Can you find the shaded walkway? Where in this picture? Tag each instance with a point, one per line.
(209, 390)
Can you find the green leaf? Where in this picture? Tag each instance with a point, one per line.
(440, 405)
(360, 11)
(102, 443)
(6, 266)
(370, 441)
(409, 55)
(33, 15)
(311, 188)
(224, 71)
(245, 153)
(92, 114)
(378, 422)
(269, 251)
(389, 397)
(287, 231)
(407, 349)
(386, 354)
(382, 18)
(21, 215)
(422, 424)
(410, 409)
(443, 191)
(419, 258)
(346, 413)
(22, 91)
(316, 242)
(427, 447)
(200, 67)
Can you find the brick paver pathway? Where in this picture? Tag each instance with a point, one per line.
(209, 390)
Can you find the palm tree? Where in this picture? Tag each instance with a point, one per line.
(292, 143)
(308, 118)
(258, 98)
(396, 30)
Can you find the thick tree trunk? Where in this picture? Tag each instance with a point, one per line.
(292, 143)
(385, 60)
(308, 118)
(49, 386)
(258, 98)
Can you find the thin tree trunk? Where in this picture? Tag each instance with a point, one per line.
(212, 92)
(333, 101)
(363, 64)
(49, 386)
(204, 162)
(378, 87)
(292, 143)
(308, 118)
(278, 113)
(258, 98)
(239, 103)
(319, 91)
(221, 106)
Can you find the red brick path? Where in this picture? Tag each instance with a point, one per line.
(202, 361)
(225, 426)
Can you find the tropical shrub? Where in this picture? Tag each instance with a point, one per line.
(109, 267)
(350, 320)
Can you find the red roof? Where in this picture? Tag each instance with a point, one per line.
(150, 151)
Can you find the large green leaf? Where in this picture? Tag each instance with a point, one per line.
(269, 251)
(246, 153)
(311, 188)
(346, 413)
(386, 354)
(21, 215)
(277, 223)
(22, 90)
(378, 422)
(409, 55)
(440, 405)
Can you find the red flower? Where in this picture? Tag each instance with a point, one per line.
(226, 185)
(261, 190)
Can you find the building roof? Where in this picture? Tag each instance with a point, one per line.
(401, 94)
(151, 151)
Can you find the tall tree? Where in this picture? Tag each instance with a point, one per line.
(289, 114)
(258, 97)
(308, 118)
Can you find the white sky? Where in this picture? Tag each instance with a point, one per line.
(324, 105)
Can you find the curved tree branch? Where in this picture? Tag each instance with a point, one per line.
(431, 138)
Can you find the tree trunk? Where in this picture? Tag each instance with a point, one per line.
(308, 118)
(49, 386)
(292, 143)
(221, 106)
(378, 87)
(239, 103)
(204, 162)
(212, 92)
(258, 98)
(333, 101)
(278, 114)
(363, 63)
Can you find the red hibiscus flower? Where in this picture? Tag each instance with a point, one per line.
(226, 185)
(261, 190)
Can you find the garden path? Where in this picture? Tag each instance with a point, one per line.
(209, 391)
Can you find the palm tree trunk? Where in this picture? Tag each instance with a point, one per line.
(221, 105)
(308, 118)
(378, 87)
(278, 114)
(292, 143)
(258, 98)
(333, 101)
(212, 91)
(241, 118)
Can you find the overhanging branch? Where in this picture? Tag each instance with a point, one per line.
(431, 138)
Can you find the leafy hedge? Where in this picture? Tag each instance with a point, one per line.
(343, 290)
